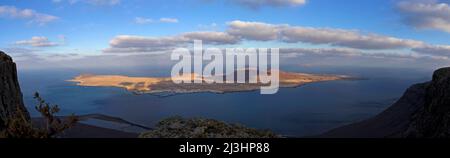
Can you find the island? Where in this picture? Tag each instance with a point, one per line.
(155, 85)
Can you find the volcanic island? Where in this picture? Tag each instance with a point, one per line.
(155, 85)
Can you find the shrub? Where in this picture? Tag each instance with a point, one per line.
(20, 127)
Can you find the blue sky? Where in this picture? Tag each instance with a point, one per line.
(87, 27)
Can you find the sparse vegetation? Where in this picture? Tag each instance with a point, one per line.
(177, 127)
(20, 127)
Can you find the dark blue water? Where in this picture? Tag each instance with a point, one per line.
(307, 110)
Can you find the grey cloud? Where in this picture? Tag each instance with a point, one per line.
(336, 37)
(348, 42)
(426, 14)
(110, 61)
(140, 44)
(32, 15)
(212, 37)
(17, 50)
(22, 54)
(126, 41)
(346, 38)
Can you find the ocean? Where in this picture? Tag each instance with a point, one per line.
(303, 111)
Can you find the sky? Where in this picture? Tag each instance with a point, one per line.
(126, 33)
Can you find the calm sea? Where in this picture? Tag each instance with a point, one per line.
(303, 111)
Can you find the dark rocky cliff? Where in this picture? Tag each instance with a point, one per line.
(433, 119)
(10, 95)
(423, 111)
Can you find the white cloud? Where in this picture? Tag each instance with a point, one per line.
(302, 57)
(346, 38)
(33, 16)
(271, 3)
(340, 41)
(426, 14)
(336, 37)
(254, 30)
(37, 41)
(351, 57)
(208, 37)
(348, 52)
(168, 20)
(140, 44)
(321, 51)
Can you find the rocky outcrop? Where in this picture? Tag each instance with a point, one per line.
(423, 111)
(433, 119)
(177, 127)
(10, 95)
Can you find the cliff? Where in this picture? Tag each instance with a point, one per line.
(433, 119)
(423, 111)
(10, 95)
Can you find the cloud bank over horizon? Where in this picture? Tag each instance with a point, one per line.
(242, 31)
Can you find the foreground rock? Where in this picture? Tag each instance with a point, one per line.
(423, 111)
(177, 127)
(10, 95)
